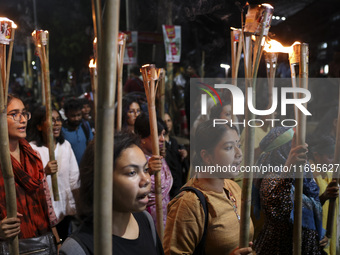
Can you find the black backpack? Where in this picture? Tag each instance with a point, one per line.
(200, 248)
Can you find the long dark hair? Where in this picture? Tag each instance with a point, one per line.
(12, 96)
(38, 118)
(142, 125)
(122, 141)
(127, 101)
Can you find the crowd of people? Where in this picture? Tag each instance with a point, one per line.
(201, 211)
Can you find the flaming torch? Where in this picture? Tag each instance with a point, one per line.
(150, 75)
(7, 38)
(257, 23)
(40, 38)
(272, 48)
(120, 59)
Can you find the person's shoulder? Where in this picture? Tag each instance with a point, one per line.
(232, 184)
(33, 145)
(186, 200)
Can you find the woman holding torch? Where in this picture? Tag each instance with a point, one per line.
(142, 128)
(274, 193)
(65, 163)
(189, 228)
(36, 216)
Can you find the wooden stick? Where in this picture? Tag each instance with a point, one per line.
(3, 70)
(249, 137)
(300, 140)
(120, 64)
(235, 61)
(332, 201)
(271, 62)
(5, 157)
(7, 172)
(161, 93)
(248, 155)
(9, 60)
(294, 58)
(149, 74)
(48, 101)
(105, 116)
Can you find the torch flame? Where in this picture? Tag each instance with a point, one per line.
(275, 46)
(92, 64)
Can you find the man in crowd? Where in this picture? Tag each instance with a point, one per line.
(75, 129)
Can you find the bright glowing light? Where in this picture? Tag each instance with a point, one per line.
(33, 63)
(8, 20)
(92, 64)
(225, 66)
(283, 18)
(326, 69)
(275, 46)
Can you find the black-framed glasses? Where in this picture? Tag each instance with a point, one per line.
(16, 116)
(54, 121)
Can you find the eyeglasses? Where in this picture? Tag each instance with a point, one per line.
(136, 112)
(16, 116)
(54, 121)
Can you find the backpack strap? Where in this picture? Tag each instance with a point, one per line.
(86, 130)
(152, 226)
(200, 248)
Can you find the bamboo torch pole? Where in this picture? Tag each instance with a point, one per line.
(120, 64)
(161, 93)
(150, 74)
(271, 62)
(40, 38)
(294, 59)
(107, 77)
(261, 29)
(236, 36)
(332, 201)
(300, 140)
(5, 157)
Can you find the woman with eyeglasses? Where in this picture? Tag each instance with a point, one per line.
(65, 164)
(130, 111)
(36, 219)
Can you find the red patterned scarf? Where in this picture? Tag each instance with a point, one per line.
(31, 199)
